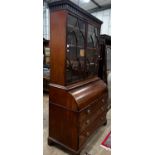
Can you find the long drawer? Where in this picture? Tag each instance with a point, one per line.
(91, 128)
(89, 115)
(91, 118)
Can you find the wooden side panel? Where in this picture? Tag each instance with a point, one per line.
(58, 46)
(63, 126)
(62, 98)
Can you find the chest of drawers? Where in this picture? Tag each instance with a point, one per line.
(75, 113)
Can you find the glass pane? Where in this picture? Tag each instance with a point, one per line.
(80, 39)
(93, 34)
(90, 40)
(94, 38)
(72, 21)
(92, 61)
(97, 33)
(80, 31)
(72, 40)
(75, 50)
(82, 26)
(92, 56)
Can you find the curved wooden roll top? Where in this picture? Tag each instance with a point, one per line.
(88, 94)
(77, 98)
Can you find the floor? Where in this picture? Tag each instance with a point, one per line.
(92, 147)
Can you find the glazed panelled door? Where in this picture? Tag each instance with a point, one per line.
(76, 39)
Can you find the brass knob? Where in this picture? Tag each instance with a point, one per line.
(88, 121)
(87, 133)
(88, 111)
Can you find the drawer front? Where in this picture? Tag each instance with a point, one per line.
(91, 128)
(92, 108)
(89, 115)
(89, 119)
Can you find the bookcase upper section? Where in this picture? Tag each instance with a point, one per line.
(74, 43)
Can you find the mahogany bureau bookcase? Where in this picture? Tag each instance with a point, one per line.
(77, 97)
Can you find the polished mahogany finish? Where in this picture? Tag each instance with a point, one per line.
(77, 97)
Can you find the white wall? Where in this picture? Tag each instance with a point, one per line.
(46, 22)
(104, 16)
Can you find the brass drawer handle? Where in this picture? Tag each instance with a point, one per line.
(87, 134)
(88, 111)
(87, 122)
